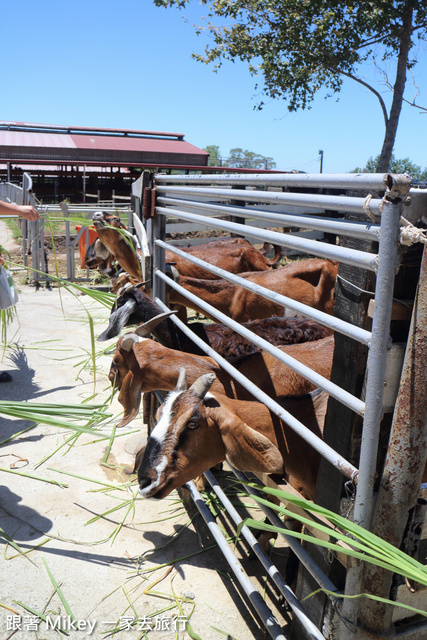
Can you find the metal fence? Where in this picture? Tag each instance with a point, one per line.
(313, 209)
(35, 233)
(242, 205)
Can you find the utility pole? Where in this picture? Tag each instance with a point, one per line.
(321, 160)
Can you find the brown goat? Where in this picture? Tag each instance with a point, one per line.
(197, 430)
(97, 256)
(115, 237)
(143, 365)
(236, 255)
(309, 281)
(133, 307)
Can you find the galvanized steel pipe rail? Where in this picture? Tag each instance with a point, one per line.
(362, 335)
(352, 257)
(270, 622)
(302, 554)
(354, 229)
(334, 390)
(273, 572)
(365, 181)
(315, 200)
(317, 443)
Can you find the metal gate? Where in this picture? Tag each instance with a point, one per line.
(34, 235)
(365, 209)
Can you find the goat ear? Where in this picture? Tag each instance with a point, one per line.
(202, 385)
(129, 398)
(249, 450)
(146, 328)
(128, 340)
(118, 319)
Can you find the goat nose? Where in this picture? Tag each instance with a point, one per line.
(144, 483)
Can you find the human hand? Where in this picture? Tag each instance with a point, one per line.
(28, 212)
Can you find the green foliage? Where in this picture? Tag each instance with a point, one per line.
(299, 47)
(250, 160)
(239, 158)
(214, 155)
(402, 165)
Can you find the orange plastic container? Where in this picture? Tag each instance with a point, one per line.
(83, 245)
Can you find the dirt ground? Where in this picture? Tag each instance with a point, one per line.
(81, 550)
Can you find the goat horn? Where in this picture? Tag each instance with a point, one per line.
(181, 385)
(172, 271)
(146, 328)
(202, 385)
(128, 341)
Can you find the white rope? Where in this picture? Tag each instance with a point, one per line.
(409, 234)
(373, 216)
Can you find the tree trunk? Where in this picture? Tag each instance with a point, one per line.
(399, 88)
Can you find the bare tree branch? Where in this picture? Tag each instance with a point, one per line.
(368, 86)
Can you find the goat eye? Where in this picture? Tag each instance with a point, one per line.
(193, 424)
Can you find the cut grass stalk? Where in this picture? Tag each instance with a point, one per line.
(110, 444)
(39, 615)
(104, 298)
(33, 477)
(9, 540)
(25, 553)
(50, 455)
(128, 598)
(367, 546)
(93, 415)
(193, 635)
(359, 543)
(369, 596)
(122, 523)
(75, 475)
(224, 633)
(151, 570)
(16, 435)
(58, 591)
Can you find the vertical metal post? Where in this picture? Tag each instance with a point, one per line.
(405, 462)
(159, 232)
(387, 257)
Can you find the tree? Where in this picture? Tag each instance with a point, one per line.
(301, 46)
(403, 165)
(249, 160)
(214, 155)
(238, 158)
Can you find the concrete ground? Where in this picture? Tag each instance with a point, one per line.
(88, 546)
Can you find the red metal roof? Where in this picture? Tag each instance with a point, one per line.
(51, 143)
(19, 126)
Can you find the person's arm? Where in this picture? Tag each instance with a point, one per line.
(20, 210)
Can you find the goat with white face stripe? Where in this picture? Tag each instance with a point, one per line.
(197, 429)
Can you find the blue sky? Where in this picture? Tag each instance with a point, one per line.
(128, 65)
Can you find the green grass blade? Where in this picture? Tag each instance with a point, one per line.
(369, 596)
(33, 477)
(58, 591)
(6, 537)
(39, 615)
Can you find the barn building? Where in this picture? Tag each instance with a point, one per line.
(81, 163)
